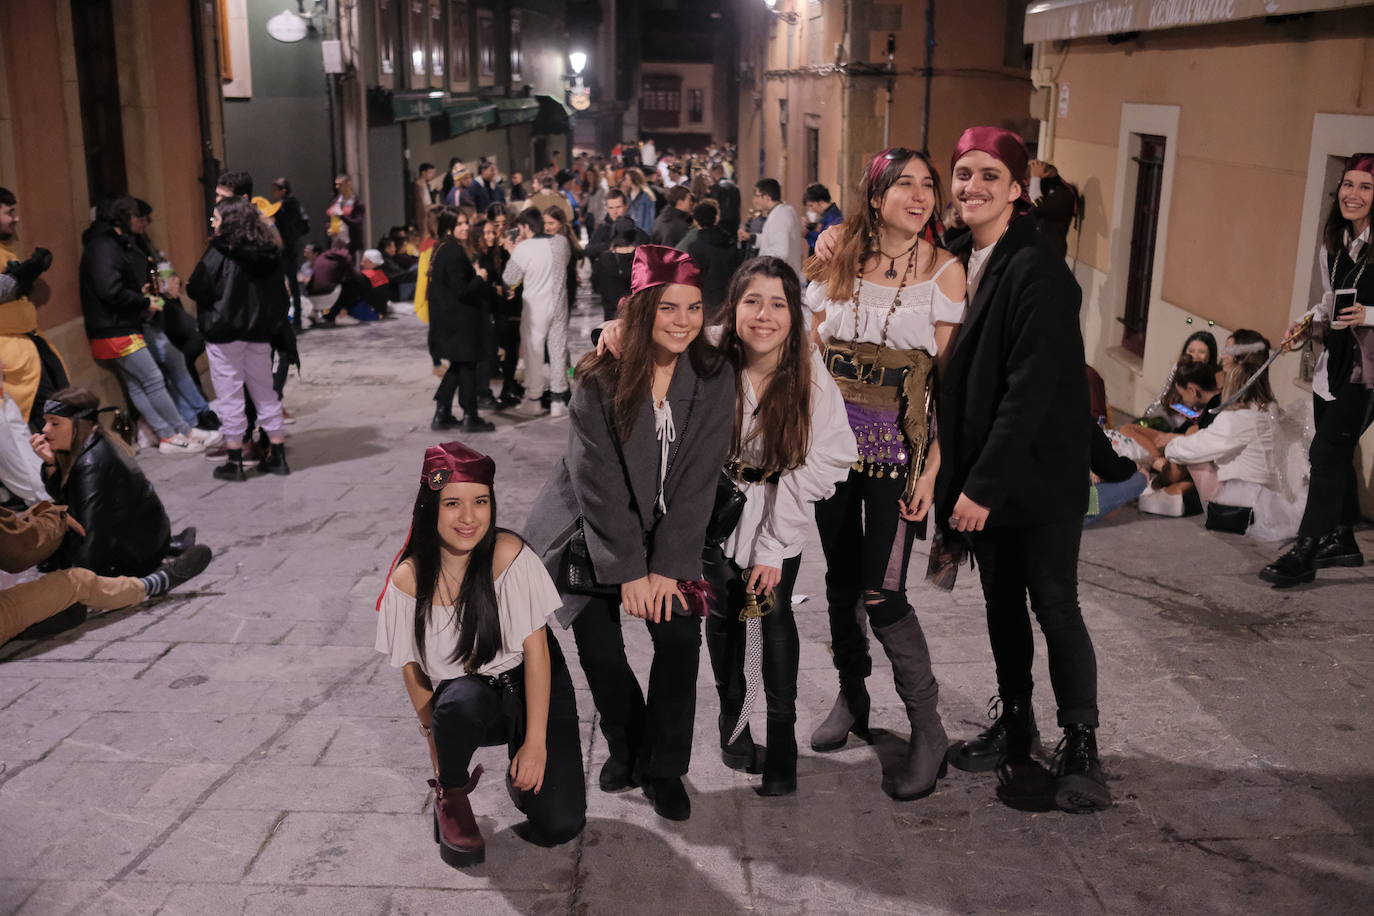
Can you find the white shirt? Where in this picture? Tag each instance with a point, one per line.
(1321, 385)
(1240, 442)
(977, 261)
(912, 326)
(526, 599)
(776, 517)
(541, 263)
(781, 236)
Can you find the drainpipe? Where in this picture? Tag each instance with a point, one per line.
(209, 165)
(928, 72)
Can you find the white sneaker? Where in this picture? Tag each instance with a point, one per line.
(180, 445)
(528, 409)
(207, 437)
(1158, 502)
(558, 408)
(146, 438)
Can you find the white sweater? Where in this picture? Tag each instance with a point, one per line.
(773, 525)
(1240, 442)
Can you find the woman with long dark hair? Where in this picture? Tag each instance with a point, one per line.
(460, 322)
(887, 304)
(791, 446)
(623, 518)
(556, 222)
(463, 614)
(240, 289)
(1342, 386)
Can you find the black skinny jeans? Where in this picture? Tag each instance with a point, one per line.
(471, 712)
(1332, 493)
(867, 547)
(725, 642)
(656, 733)
(460, 377)
(1041, 560)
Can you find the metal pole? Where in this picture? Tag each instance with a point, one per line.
(929, 72)
(891, 81)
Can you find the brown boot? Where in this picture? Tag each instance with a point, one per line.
(455, 828)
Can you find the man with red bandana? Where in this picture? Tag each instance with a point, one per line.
(1013, 481)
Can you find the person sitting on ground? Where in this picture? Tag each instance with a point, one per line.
(21, 471)
(377, 298)
(59, 600)
(1171, 491)
(1200, 347)
(335, 284)
(1234, 460)
(1116, 479)
(401, 279)
(126, 530)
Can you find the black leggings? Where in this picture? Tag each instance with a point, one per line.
(725, 642)
(472, 712)
(1333, 494)
(867, 548)
(656, 733)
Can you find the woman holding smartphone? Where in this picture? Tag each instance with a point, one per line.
(632, 497)
(1342, 386)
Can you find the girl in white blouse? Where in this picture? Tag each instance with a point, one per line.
(463, 616)
(791, 446)
(888, 302)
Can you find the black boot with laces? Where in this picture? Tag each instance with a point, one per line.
(1013, 734)
(1295, 567)
(1079, 786)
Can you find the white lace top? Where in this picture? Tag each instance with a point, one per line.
(912, 326)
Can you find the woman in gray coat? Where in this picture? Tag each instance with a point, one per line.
(633, 495)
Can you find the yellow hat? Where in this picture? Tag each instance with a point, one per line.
(266, 207)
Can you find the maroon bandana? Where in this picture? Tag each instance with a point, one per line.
(454, 462)
(659, 265)
(1360, 162)
(1001, 144)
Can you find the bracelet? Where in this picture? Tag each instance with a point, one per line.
(426, 730)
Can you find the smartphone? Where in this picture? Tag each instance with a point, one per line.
(1187, 411)
(1344, 299)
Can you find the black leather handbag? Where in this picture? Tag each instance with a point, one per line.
(576, 574)
(1231, 519)
(726, 512)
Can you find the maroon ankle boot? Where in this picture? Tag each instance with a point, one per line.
(455, 828)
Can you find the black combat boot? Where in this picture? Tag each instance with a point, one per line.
(1295, 567)
(1080, 787)
(1338, 549)
(1013, 734)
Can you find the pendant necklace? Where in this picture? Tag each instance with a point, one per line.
(891, 272)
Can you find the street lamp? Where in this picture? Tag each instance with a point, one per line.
(578, 97)
(578, 61)
(788, 16)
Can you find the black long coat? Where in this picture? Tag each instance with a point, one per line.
(1014, 395)
(459, 306)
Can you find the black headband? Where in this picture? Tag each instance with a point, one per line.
(71, 411)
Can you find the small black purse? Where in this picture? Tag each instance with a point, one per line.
(726, 512)
(1231, 519)
(576, 574)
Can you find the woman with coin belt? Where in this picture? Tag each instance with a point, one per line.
(887, 304)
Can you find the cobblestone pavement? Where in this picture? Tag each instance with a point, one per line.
(240, 748)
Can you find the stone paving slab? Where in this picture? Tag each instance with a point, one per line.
(239, 748)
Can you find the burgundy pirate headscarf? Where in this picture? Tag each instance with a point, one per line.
(1360, 162)
(1001, 144)
(446, 463)
(659, 265)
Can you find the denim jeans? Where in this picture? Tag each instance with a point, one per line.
(183, 388)
(148, 391)
(1112, 496)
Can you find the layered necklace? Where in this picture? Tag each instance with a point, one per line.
(891, 274)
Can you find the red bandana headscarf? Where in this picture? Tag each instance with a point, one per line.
(659, 265)
(1360, 162)
(446, 463)
(1001, 144)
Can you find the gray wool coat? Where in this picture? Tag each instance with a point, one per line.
(613, 485)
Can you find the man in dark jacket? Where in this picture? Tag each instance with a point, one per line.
(293, 225)
(718, 256)
(726, 193)
(1056, 204)
(1014, 472)
(116, 292)
(672, 224)
(485, 191)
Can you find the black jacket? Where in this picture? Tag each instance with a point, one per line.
(241, 292)
(611, 276)
(292, 223)
(460, 304)
(672, 224)
(113, 273)
(602, 236)
(718, 257)
(1055, 211)
(1013, 397)
(127, 529)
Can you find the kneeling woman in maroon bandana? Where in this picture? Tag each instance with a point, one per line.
(463, 616)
